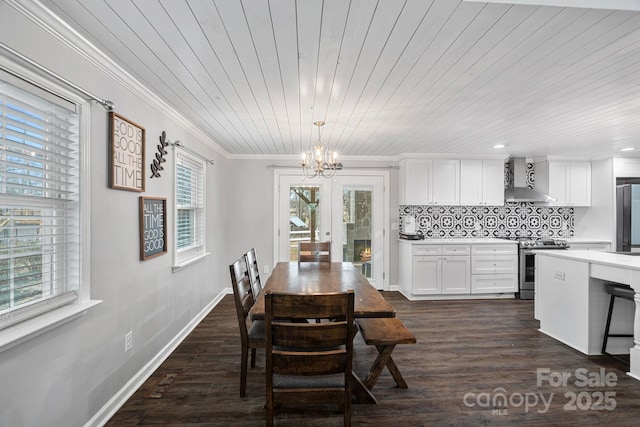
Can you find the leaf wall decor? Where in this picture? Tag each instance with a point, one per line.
(156, 164)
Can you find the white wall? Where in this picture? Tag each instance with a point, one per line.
(65, 376)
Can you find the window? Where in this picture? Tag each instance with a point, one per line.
(190, 224)
(39, 203)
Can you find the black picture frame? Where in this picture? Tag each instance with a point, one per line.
(153, 227)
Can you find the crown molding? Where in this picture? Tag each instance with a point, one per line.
(450, 156)
(44, 18)
(296, 158)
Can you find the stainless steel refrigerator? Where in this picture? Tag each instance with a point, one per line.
(628, 217)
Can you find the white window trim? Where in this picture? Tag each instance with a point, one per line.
(186, 263)
(31, 328)
(179, 265)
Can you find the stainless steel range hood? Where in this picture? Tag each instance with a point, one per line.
(517, 189)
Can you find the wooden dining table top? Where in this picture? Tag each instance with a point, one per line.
(323, 277)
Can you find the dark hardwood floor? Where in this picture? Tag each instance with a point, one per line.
(468, 355)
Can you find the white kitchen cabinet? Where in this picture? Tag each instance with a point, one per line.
(495, 249)
(499, 264)
(432, 271)
(445, 183)
(455, 269)
(429, 182)
(415, 179)
(494, 268)
(426, 275)
(579, 183)
(405, 263)
(626, 167)
(494, 283)
(569, 183)
(440, 269)
(482, 182)
(454, 274)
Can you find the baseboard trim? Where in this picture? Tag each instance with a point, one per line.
(121, 397)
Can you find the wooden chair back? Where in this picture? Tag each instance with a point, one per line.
(309, 362)
(242, 292)
(314, 251)
(254, 272)
(251, 333)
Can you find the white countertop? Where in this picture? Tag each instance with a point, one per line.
(586, 240)
(604, 258)
(461, 241)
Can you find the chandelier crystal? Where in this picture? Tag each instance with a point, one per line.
(319, 160)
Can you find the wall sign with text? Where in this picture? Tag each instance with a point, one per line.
(153, 227)
(127, 141)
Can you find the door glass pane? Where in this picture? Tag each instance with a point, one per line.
(304, 217)
(357, 228)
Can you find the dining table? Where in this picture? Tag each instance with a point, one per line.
(324, 277)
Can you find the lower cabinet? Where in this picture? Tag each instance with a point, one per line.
(457, 270)
(443, 270)
(455, 275)
(499, 264)
(426, 275)
(494, 269)
(494, 283)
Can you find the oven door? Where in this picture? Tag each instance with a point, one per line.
(527, 274)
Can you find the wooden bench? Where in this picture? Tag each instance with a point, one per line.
(385, 334)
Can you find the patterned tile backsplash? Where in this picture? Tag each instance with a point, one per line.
(514, 219)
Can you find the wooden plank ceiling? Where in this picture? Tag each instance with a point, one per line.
(387, 77)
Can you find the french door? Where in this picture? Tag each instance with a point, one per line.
(348, 210)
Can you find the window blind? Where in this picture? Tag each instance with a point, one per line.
(189, 207)
(39, 204)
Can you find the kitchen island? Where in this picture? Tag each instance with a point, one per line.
(571, 302)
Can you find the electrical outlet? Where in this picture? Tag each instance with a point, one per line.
(265, 269)
(128, 341)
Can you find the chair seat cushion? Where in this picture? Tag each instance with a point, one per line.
(317, 381)
(256, 330)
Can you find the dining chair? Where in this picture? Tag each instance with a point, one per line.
(314, 251)
(309, 363)
(254, 272)
(251, 334)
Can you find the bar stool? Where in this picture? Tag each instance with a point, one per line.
(616, 291)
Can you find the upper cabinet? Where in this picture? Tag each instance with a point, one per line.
(414, 181)
(569, 183)
(482, 182)
(429, 182)
(626, 167)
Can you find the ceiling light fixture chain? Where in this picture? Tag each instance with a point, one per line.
(319, 160)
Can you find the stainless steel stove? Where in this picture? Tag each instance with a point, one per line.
(527, 261)
(534, 243)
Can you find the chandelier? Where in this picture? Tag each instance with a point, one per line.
(318, 160)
